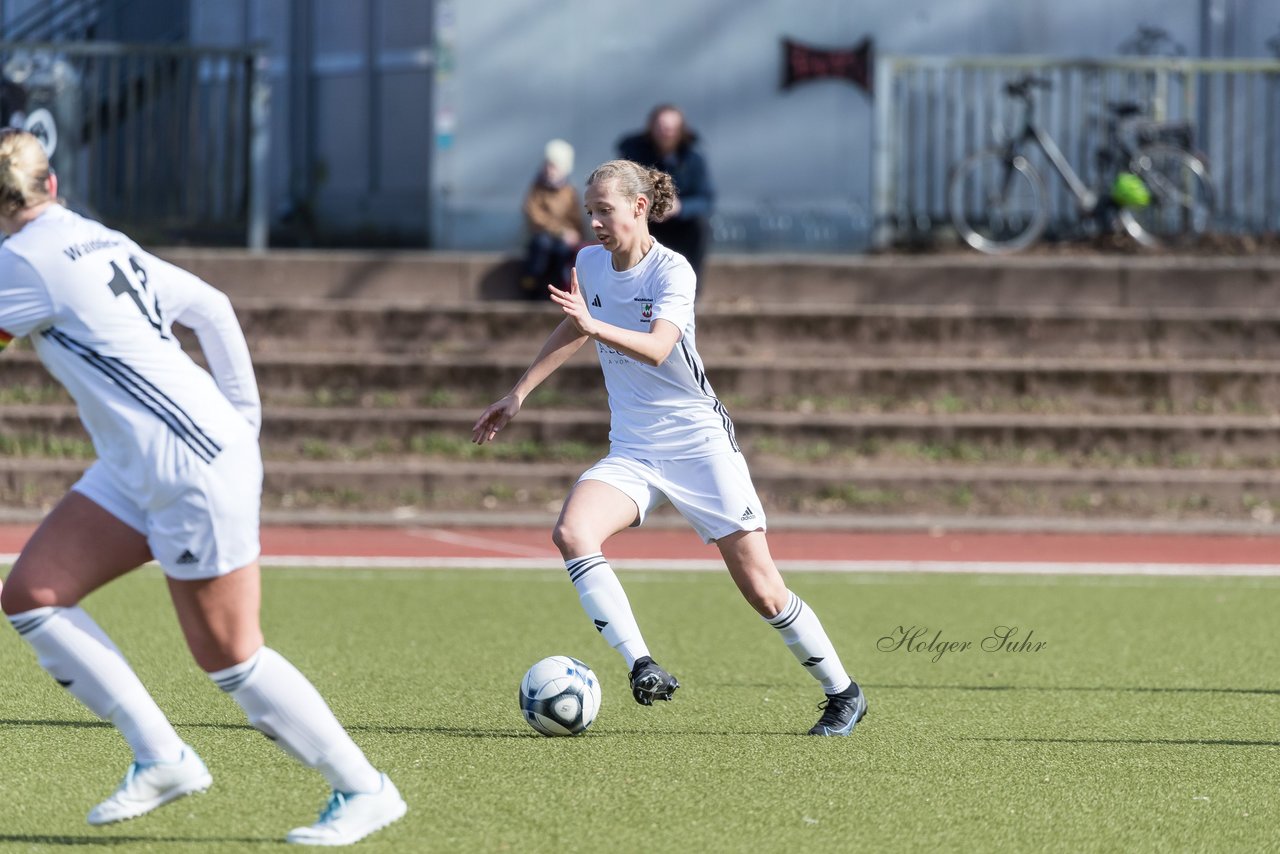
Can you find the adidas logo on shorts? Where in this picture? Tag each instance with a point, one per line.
(187, 558)
(748, 516)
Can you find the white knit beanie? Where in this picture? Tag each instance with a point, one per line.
(560, 155)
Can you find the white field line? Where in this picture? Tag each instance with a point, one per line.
(491, 544)
(904, 567)
(834, 566)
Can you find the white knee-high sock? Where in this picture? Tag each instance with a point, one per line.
(77, 653)
(283, 705)
(809, 643)
(605, 602)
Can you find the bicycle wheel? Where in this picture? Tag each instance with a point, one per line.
(1181, 197)
(997, 203)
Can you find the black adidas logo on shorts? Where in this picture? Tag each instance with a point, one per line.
(187, 558)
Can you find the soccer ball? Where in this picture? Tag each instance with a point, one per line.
(560, 696)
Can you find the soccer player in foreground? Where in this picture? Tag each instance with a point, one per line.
(179, 478)
(670, 438)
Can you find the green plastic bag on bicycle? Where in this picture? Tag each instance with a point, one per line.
(1128, 191)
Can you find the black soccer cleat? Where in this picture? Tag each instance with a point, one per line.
(650, 682)
(841, 712)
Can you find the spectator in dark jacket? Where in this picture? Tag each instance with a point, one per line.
(669, 145)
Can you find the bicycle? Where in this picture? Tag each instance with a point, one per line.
(1159, 192)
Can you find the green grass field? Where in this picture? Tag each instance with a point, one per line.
(1150, 720)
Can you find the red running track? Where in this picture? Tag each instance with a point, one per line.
(663, 544)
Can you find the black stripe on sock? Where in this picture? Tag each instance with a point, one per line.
(792, 619)
(234, 683)
(789, 613)
(581, 569)
(573, 564)
(27, 625)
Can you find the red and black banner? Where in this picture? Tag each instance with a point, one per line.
(802, 62)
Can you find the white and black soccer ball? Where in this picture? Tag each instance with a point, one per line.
(560, 696)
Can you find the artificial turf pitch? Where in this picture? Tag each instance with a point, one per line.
(1147, 721)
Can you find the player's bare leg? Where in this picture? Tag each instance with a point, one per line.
(593, 512)
(77, 549)
(747, 556)
(219, 617)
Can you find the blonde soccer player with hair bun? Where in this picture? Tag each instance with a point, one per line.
(178, 479)
(670, 439)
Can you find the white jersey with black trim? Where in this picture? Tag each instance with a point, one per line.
(657, 413)
(99, 312)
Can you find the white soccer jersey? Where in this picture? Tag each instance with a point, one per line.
(99, 310)
(658, 413)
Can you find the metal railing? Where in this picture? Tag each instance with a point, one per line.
(784, 226)
(933, 111)
(168, 142)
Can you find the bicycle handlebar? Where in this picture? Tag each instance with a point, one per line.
(1021, 88)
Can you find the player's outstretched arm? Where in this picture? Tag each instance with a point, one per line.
(559, 347)
(494, 418)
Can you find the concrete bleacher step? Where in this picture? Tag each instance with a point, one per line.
(836, 329)
(385, 485)
(356, 433)
(936, 279)
(1094, 385)
(1105, 389)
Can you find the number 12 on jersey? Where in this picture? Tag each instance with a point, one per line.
(122, 285)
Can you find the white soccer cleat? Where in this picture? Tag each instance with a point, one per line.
(350, 817)
(152, 785)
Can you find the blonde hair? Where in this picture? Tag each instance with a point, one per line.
(24, 172)
(635, 181)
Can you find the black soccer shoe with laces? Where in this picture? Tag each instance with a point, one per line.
(650, 682)
(840, 712)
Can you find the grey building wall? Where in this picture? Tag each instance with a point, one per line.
(369, 137)
(351, 88)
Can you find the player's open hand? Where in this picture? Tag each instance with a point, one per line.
(494, 419)
(574, 305)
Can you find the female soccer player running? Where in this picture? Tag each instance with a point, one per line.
(670, 438)
(178, 478)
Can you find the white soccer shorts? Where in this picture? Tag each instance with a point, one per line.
(199, 526)
(714, 494)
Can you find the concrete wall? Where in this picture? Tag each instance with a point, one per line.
(350, 111)
(511, 74)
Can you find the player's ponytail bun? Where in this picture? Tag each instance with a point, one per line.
(663, 194)
(635, 181)
(24, 172)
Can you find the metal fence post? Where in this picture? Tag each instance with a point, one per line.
(885, 147)
(259, 151)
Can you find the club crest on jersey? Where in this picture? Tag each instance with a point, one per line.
(646, 311)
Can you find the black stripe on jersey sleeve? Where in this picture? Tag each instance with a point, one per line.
(144, 392)
(701, 377)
